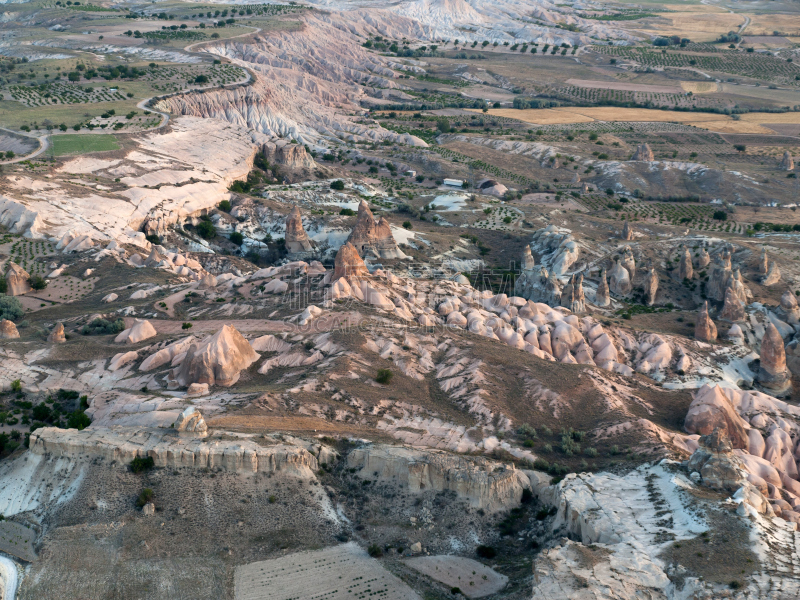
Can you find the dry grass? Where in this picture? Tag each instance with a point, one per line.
(699, 87)
(703, 27)
(748, 123)
(767, 24)
(627, 87)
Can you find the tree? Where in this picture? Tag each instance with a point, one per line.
(443, 125)
(237, 238)
(38, 282)
(740, 147)
(224, 205)
(10, 154)
(720, 215)
(10, 307)
(206, 230)
(337, 185)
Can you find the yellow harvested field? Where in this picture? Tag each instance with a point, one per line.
(767, 24)
(747, 123)
(703, 27)
(699, 87)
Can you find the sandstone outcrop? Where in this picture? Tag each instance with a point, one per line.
(704, 328)
(124, 444)
(17, 280)
(644, 153)
(619, 280)
(650, 287)
(716, 463)
(703, 259)
(602, 296)
(558, 248)
(373, 237)
(291, 155)
(712, 409)
(572, 295)
(718, 276)
(297, 240)
(789, 307)
(349, 265)
(684, 270)
(628, 261)
(763, 263)
(772, 373)
(8, 331)
(773, 276)
(627, 232)
(733, 309)
(57, 336)
(140, 331)
(216, 360)
(787, 162)
(484, 483)
(528, 262)
(191, 421)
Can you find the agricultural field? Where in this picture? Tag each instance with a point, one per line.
(81, 144)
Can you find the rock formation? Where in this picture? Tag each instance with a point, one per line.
(763, 263)
(528, 262)
(216, 360)
(719, 275)
(602, 297)
(738, 288)
(619, 281)
(8, 331)
(191, 421)
(704, 328)
(57, 336)
(140, 331)
(650, 287)
(17, 280)
(557, 246)
(712, 409)
(789, 307)
(484, 484)
(684, 270)
(703, 259)
(572, 296)
(490, 187)
(733, 309)
(773, 374)
(297, 240)
(291, 155)
(348, 264)
(715, 461)
(371, 237)
(773, 276)
(787, 162)
(627, 231)
(628, 262)
(643, 152)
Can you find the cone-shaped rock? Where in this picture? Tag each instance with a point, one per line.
(602, 297)
(650, 287)
(572, 296)
(296, 237)
(684, 270)
(733, 309)
(628, 261)
(528, 262)
(57, 336)
(703, 259)
(17, 280)
(217, 360)
(8, 331)
(369, 236)
(787, 162)
(773, 276)
(704, 328)
(789, 307)
(619, 280)
(773, 374)
(644, 152)
(348, 264)
(627, 231)
(763, 263)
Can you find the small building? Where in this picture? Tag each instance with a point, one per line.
(454, 182)
(410, 173)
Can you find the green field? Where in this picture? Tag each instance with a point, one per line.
(78, 144)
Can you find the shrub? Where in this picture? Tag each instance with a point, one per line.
(455, 590)
(272, 499)
(527, 496)
(337, 185)
(224, 206)
(38, 282)
(375, 551)
(206, 230)
(720, 215)
(42, 412)
(78, 420)
(140, 465)
(10, 307)
(186, 326)
(347, 212)
(237, 238)
(526, 430)
(16, 386)
(145, 496)
(485, 551)
(384, 376)
(103, 327)
(407, 225)
(153, 239)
